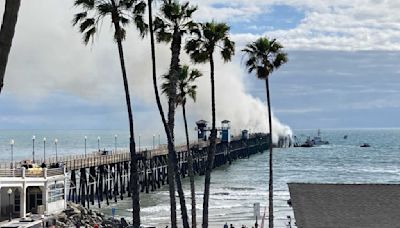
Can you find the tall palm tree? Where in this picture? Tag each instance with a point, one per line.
(171, 184)
(7, 31)
(185, 86)
(121, 12)
(265, 56)
(173, 22)
(209, 37)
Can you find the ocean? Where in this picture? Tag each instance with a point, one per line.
(235, 188)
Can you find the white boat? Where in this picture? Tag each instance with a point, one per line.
(317, 140)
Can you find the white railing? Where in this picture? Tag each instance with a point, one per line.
(4, 172)
(31, 172)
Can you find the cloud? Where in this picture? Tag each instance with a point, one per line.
(337, 85)
(327, 25)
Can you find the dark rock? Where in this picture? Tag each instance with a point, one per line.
(124, 223)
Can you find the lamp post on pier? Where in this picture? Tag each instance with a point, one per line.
(12, 153)
(139, 143)
(154, 139)
(159, 141)
(55, 144)
(33, 149)
(44, 150)
(115, 142)
(9, 192)
(85, 144)
(98, 142)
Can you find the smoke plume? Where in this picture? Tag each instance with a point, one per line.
(48, 56)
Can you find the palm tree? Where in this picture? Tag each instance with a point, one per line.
(263, 57)
(173, 22)
(7, 31)
(171, 184)
(122, 12)
(186, 89)
(209, 37)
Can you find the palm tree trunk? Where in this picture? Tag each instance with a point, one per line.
(171, 178)
(270, 183)
(132, 147)
(211, 150)
(174, 71)
(181, 194)
(7, 31)
(134, 165)
(191, 172)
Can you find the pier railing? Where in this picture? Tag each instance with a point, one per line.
(55, 171)
(101, 157)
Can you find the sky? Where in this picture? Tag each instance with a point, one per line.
(342, 71)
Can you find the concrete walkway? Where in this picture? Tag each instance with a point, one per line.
(33, 222)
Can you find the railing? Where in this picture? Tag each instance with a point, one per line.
(55, 172)
(32, 172)
(10, 173)
(98, 158)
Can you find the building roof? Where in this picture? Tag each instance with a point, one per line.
(346, 205)
(201, 122)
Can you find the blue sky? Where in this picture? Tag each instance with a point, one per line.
(342, 71)
(276, 17)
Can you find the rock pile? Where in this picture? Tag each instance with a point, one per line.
(77, 216)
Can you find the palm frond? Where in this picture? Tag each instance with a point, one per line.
(89, 34)
(140, 8)
(190, 10)
(194, 74)
(166, 85)
(160, 28)
(280, 59)
(86, 4)
(123, 20)
(228, 49)
(264, 56)
(126, 4)
(78, 17)
(197, 51)
(251, 63)
(141, 25)
(185, 84)
(105, 8)
(87, 23)
(211, 36)
(173, 15)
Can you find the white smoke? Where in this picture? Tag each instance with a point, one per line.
(234, 103)
(48, 56)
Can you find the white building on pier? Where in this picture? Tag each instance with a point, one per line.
(24, 192)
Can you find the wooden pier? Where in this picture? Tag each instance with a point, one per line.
(96, 178)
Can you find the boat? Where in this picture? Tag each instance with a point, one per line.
(365, 145)
(345, 137)
(316, 141)
(307, 143)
